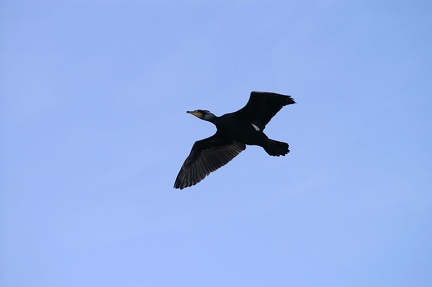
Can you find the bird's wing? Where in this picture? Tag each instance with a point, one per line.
(206, 156)
(262, 106)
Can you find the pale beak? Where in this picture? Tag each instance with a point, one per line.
(195, 113)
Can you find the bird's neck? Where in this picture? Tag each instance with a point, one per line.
(214, 120)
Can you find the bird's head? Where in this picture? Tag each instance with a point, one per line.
(202, 114)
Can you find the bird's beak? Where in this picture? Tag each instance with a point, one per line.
(195, 113)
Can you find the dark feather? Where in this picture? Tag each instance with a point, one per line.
(262, 106)
(206, 156)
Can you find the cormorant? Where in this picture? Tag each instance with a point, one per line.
(234, 132)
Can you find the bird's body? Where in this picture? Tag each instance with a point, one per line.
(234, 132)
(236, 128)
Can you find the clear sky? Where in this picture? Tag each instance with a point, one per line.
(93, 97)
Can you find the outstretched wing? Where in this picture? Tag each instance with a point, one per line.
(262, 106)
(206, 156)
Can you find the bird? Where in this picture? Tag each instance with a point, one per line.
(234, 131)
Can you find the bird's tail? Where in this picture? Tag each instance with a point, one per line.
(276, 148)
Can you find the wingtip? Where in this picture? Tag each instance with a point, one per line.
(291, 100)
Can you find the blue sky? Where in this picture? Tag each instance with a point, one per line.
(93, 97)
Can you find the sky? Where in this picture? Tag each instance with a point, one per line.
(93, 96)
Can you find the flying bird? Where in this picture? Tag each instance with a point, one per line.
(234, 132)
